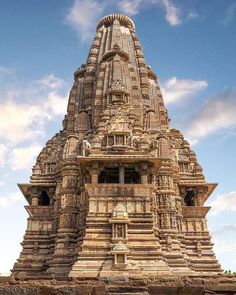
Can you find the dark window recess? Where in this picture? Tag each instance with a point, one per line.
(44, 199)
(120, 258)
(189, 198)
(120, 231)
(109, 175)
(132, 176)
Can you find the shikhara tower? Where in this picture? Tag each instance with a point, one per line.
(117, 191)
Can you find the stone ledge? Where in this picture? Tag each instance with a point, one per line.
(119, 285)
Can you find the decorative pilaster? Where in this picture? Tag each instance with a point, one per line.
(67, 232)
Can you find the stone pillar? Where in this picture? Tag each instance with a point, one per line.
(144, 171)
(35, 201)
(121, 174)
(94, 172)
(144, 178)
(66, 236)
(94, 176)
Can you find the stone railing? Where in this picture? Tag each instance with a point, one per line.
(110, 189)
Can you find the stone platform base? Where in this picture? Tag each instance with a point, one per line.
(106, 268)
(120, 285)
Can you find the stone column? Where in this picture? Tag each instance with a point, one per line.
(66, 236)
(121, 174)
(144, 171)
(94, 176)
(94, 172)
(35, 201)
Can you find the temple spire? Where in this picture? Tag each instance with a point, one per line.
(117, 190)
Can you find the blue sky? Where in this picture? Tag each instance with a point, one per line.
(190, 44)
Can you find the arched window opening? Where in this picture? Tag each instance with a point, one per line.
(44, 199)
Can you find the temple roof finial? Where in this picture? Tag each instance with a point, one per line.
(122, 19)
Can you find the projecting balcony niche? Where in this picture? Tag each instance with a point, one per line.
(41, 199)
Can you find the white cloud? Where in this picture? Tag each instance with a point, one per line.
(23, 157)
(83, 15)
(218, 113)
(130, 7)
(223, 203)
(222, 247)
(133, 7)
(2, 183)
(175, 90)
(56, 104)
(225, 228)
(21, 121)
(172, 12)
(5, 71)
(25, 108)
(52, 82)
(3, 150)
(10, 199)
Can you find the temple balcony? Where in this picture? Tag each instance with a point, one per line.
(195, 211)
(103, 198)
(116, 189)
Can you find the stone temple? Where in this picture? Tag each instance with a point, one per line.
(117, 191)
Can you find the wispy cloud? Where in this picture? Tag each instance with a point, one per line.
(52, 82)
(218, 113)
(130, 7)
(4, 71)
(230, 15)
(83, 15)
(172, 12)
(175, 90)
(133, 7)
(23, 119)
(192, 15)
(225, 228)
(223, 203)
(56, 103)
(10, 199)
(3, 150)
(23, 157)
(224, 247)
